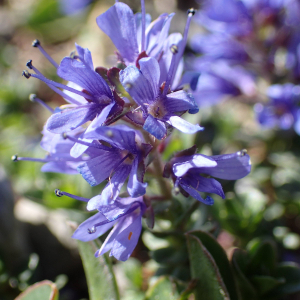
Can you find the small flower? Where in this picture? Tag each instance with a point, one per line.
(122, 157)
(283, 109)
(126, 31)
(186, 168)
(158, 107)
(58, 158)
(125, 214)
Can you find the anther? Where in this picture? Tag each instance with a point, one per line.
(109, 133)
(174, 49)
(14, 158)
(26, 74)
(64, 135)
(32, 97)
(191, 11)
(29, 64)
(91, 230)
(35, 43)
(58, 193)
(72, 54)
(242, 152)
(128, 85)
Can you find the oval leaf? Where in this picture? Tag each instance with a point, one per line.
(210, 284)
(99, 274)
(44, 290)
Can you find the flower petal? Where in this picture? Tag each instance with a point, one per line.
(183, 125)
(113, 187)
(156, 127)
(77, 72)
(118, 23)
(95, 170)
(230, 166)
(128, 236)
(71, 118)
(85, 56)
(81, 233)
(137, 85)
(195, 161)
(150, 69)
(180, 101)
(135, 186)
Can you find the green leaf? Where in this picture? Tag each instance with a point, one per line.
(163, 289)
(44, 290)
(263, 257)
(239, 264)
(264, 284)
(290, 272)
(99, 274)
(220, 257)
(210, 284)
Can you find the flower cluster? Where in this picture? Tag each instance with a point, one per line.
(114, 124)
(247, 43)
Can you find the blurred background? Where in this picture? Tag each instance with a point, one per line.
(35, 235)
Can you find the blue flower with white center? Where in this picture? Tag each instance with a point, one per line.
(185, 171)
(159, 107)
(125, 214)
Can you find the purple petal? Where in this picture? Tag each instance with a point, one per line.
(118, 23)
(71, 118)
(150, 69)
(81, 233)
(99, 168)
(157, 33)
(195, 161)
(113, 187)
(135, 186)
(230, 166)
(85, 56)
(115, 136)
(183, 125)
(180, 101)
(138, 25)
(77, 72)
(156, 127)
(128, 237)
(136, 84)
(64, 167)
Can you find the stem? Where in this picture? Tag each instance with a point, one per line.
(164, 185)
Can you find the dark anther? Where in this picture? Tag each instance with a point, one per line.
(35, 43)
(29, 64)
(32, 97)
(191, 11)
(174, 49)
(14, 158)
(58, 193)
(242, 152)
(26, 74)
(91, 230)
(72, 54)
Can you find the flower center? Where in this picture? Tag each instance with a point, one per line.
(157, 109)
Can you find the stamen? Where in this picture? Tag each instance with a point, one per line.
(191, 12)
(242, 153)
(62, 86)
(60, 193)
(43, 160)
(98, 146)
(34, 98)
(26, 74)
(174, 50)
(143, 39)
(129, 235)
(92, 230)
(55, 89)
(37, 44)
